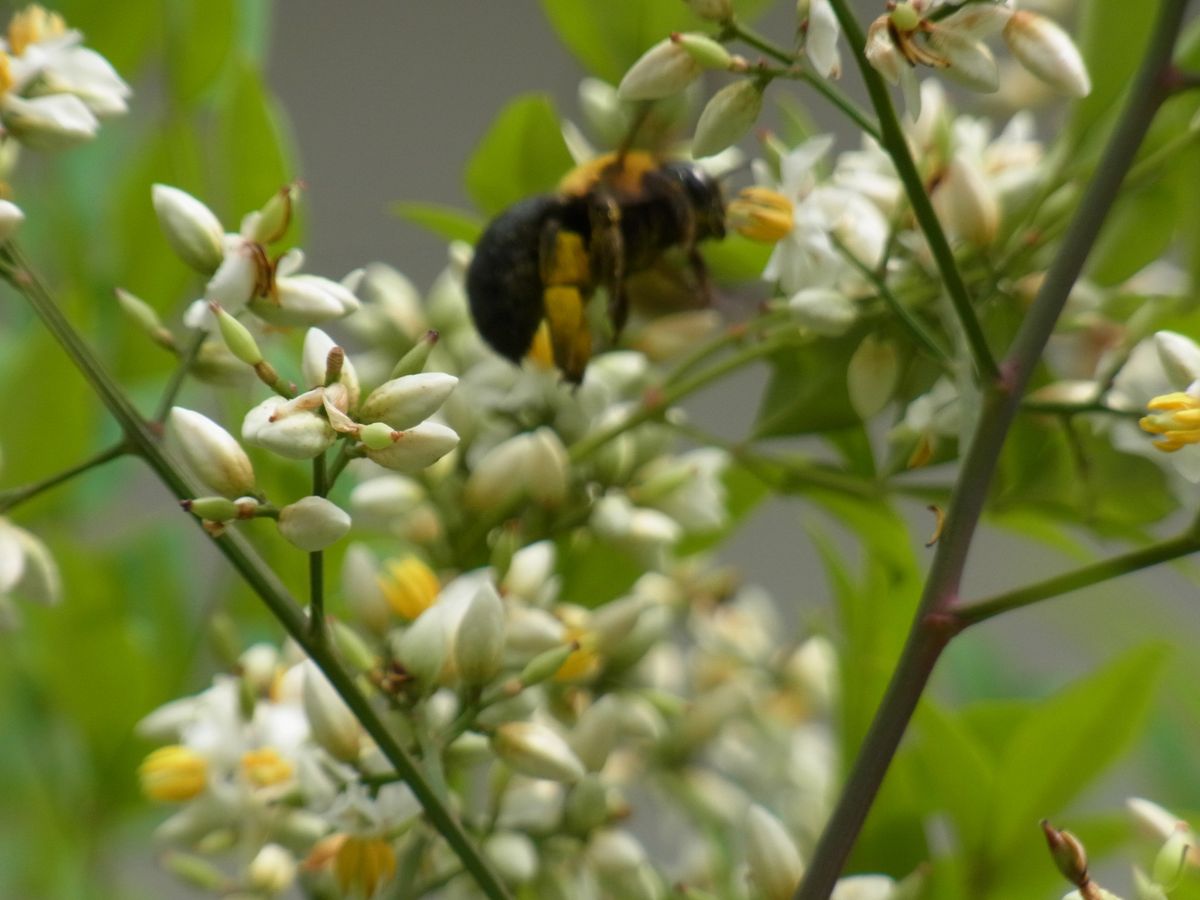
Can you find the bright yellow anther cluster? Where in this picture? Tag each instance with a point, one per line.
(173, 774)
(31, 25)
(362, 865)
(761, 214)
(1176, 417)
(410, 586)
(264, 767)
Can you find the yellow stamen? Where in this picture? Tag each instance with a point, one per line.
(362, 865)
(173, 774)
(583, 662)
(6, 76)
(265, 767)
(410, 586)
(761, 215)
(1176, 419)
(31, 25)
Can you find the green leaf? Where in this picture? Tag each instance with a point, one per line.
(1068, 740)
(444, 221)
(522, 154)
(202, 34)
(1138, 231)
(1111, 36)
(257, 146)
(807, 392)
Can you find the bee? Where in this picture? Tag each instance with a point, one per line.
(539, 262)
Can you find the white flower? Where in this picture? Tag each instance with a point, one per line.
(52, 122)
(820, 43)
(1168, 364)
(291, 428)
(296, 299)
(687, 488)
(27, 569)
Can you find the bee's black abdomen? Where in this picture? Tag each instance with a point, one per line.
(504, 280)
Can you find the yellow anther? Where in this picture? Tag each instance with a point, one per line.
(1176, 420)
(265, 767)
(410, 586)
(761, 215)
(31, 25)
(6, 76)
(363, 865)
(173, 774)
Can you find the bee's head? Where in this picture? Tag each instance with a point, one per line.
(704, 194)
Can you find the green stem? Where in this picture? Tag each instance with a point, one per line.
(747, 35)
(978, 611)
(935, 620)
(670, 394)
(1077, 409)
(175, 385)
(731, 336)
(907, 319)
(896, 144)
(14, 497)
(316, 560)
(256, 574)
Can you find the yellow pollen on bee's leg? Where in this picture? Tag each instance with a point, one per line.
(541, 351)
(565, 318)
(570, 265)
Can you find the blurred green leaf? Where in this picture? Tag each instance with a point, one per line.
(522, 154)
(807, 392)
(1112, 54)
(1138, 231)
(1068, 740)
(202, 32)
(445, 221)
(256, 143)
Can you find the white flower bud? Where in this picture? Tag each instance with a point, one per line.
(727, 116)
(479, 642)
(514, 856)
(361, 589)
(820, 43)
(966, 203)
(970, 62)
(813, 670)
(404, 402)
(425, 645)
(606, 117)
(272, 870)
(774, 862)
(190, 227)
(27, 568)
(865, 887)
(234, 282)
(1172, 859)
(11, 218)
(872, 375)
(314, 360)
(882, 53)
(415, 449)
(1180, 357)
(290, 428)
(1047, 52)
(621, 866)
(313, 523)
(535, 750)
(713, 10)
(529, 571)
(823, 311)
(51, 122)
(333, 725)
(210, 452)
(597, 732)
(665, 69)
(533, 464)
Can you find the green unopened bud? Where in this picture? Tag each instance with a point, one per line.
(1172, 859)
(212, 509)
(479, 643)
(774, 861)
(535, 750)
(313, 523)
(546, 664)
(193, 232)
(145, 318)
(333, 726)
(323, 362)
(727, 117)
(196, 871)
(597, 731)
(414, 360)
(275, 215)
(905, 16)
(872, 375)
(665, 69)
(1144, 888)
(210, 452)
(1068, 854)
(237, 337)
(614, 622)
(586, 806)
(713, 10)
(377, 435)
(703, 49)
(352, 648)
(404, 402)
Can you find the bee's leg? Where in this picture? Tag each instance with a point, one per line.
(685, 219)
(565, 272)
(608, 256)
